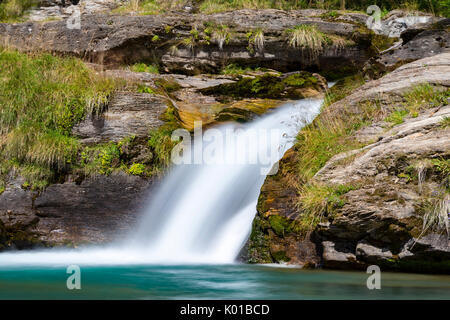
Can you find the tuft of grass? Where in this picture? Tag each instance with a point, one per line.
(445, 122)
(436, 214)
(397, 116)
(318, 142)
(143, 67)
(425, 96)
(255, 40)
(307, 37)
(317, 200)
(221, 35)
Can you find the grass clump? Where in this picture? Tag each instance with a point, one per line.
(419, 98)
(14, 10)
(221, 35)
(308, 38)
(256, 41)
(397, 116)
(161, 143)
(445, 122)
(425, 96)
(143, 67)
(317, 200)
(42, 98)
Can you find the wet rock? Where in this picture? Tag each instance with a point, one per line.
(100, 209)
(95, 210)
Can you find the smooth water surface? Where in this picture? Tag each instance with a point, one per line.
(233, 281)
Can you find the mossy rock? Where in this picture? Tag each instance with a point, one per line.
(258, 245)
(280, 256)
(235, 114)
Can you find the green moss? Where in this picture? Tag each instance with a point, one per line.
(265, 86)
(137, 169)
(301, 80)
(340, 72)
(258, 246)
(280, 256)
(278, 224)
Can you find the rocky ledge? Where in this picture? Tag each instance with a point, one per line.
(197, 43)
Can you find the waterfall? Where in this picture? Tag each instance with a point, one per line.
(203, 212)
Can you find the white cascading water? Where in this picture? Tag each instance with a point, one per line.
(202, 213)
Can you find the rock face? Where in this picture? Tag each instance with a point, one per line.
(399, 185)
(99, 209)
(195, 43)
(127, 114)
